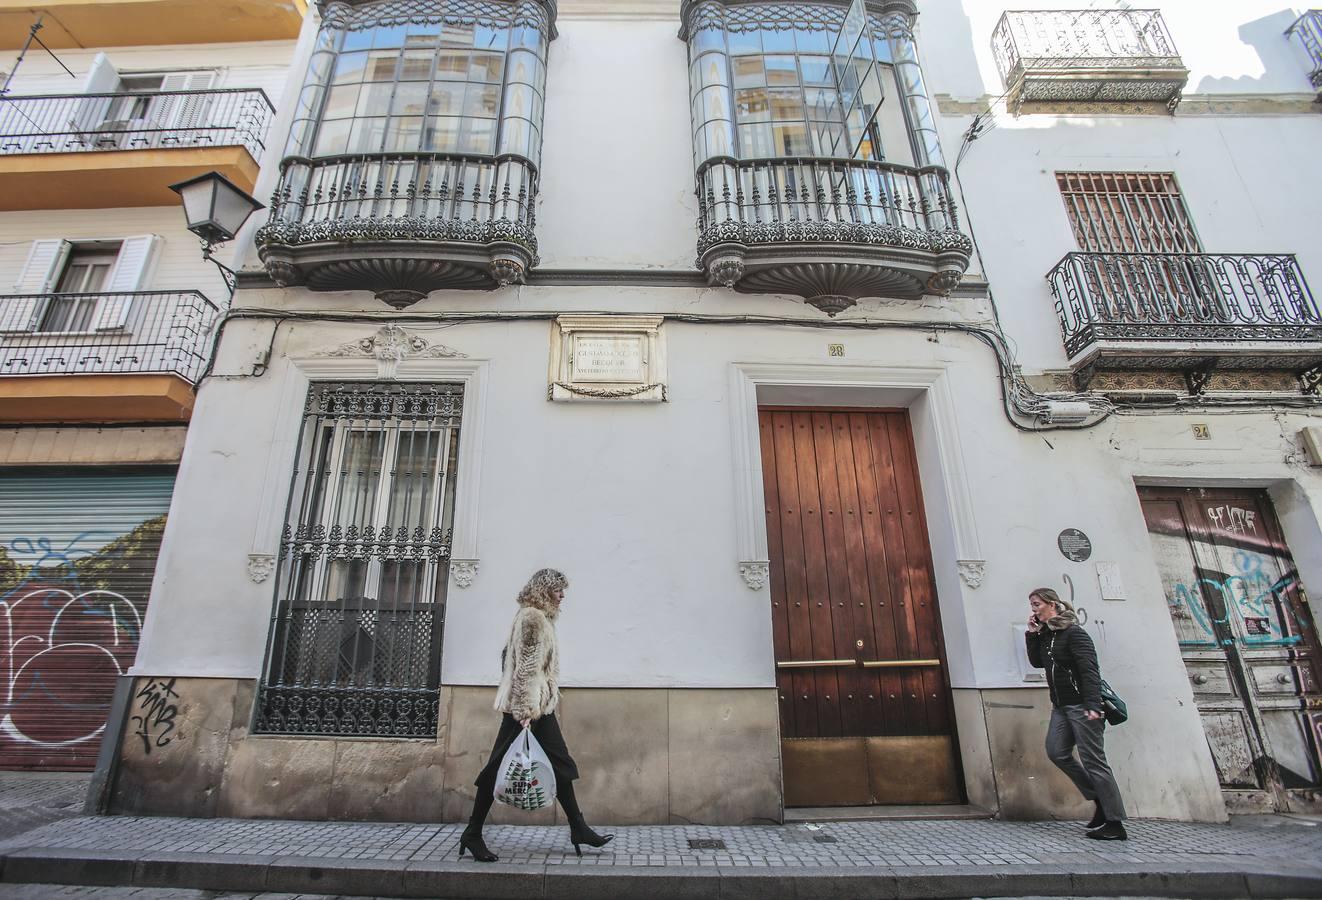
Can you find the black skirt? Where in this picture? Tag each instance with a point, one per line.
(547, 731)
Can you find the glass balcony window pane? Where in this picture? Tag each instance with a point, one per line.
(525, 36)
(823, 104)
(752, 105)
(524, 68)
(749, 71)
(442, 134)
(487, 67)
(710, 70)
(367, 135)
(719, 138)
(341, 102)
(404, 133)
(381, 66)
(487, 38)
(422, 34)
(786, 104)
(309, 102)
(778, 40)
(828, 138)
(357, 40)
(816, 70)
(388, 38)
(713, 103)
(451, 65)
(518, 100)
(478, 136)
(349, 68)
(416, 65)
(791, 139)
(781, 70)
(319, 67)
(374, 98)
(755, 141)
(515, 136)
(410, 99)
(813, 40)
(710, 38)
(447, 98)
(333, 137)
(871, 90)
(458, 34)
(742, 42)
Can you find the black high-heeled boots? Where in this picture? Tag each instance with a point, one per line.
(471, 839)
(579, 832)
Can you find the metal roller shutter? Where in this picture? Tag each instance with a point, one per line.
(77, 553)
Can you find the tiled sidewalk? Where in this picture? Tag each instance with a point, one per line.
(860, 858)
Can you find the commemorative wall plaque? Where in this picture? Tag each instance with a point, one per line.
(607, 358)
(1074, 545)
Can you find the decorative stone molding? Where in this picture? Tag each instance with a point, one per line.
(972, 571)
(755, 573)
(463, 571)
(605, 358)
(390, 346)
(260, 566)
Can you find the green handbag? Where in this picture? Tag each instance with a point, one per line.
(1113, 708)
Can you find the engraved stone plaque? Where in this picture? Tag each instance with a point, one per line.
(613, 358)
(598, 358)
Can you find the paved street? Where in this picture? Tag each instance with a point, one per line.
(30, 800)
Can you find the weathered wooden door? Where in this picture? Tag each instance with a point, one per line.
(864, 699)
(1248, 641)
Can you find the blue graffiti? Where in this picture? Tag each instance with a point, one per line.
(1252, 592)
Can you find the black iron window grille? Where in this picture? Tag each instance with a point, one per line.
(145, 120)
(1127, 212)
(1307, 29)
(355, 638)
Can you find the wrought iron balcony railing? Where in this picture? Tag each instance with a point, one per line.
(898, 222)
(145, 332)
(135, 121)
(402, 224)
(1188, 297)
(1307, 29)
(1114, 55)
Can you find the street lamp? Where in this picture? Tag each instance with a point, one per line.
(216, 209)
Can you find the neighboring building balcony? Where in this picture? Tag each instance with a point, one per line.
(1307, 30)
(401, 224)
(829, 230)
(103, 357)
(75, 24)
(93, 151)
(1087, 56)
(1187, 312)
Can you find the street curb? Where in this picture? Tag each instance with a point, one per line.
(1215, 877)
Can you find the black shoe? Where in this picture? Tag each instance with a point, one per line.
(1111, 831)
(580, 833)
(473, 843)
(1098, 817)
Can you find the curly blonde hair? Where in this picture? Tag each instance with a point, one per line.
(540, 589)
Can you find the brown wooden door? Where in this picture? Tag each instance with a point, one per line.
(864, 700)
(1248, 641)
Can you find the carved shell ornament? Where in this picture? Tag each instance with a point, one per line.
(392, 345)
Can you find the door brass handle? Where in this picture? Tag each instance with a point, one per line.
(843, 663)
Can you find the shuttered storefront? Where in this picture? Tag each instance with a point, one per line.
(77, 553)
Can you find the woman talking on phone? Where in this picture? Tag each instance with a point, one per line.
(1057, 642)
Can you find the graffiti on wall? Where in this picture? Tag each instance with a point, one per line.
(156, 712)
(71, 616)
(1251, 592)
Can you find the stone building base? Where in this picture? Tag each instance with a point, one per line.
(646, 756)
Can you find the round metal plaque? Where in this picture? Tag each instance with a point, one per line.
(1074, 545)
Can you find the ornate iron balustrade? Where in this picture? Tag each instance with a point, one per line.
(1087, 55)
(1191, 297)
(1308, 29)
(402, 224)
(135, 121)
(162, 332)
(899, 225)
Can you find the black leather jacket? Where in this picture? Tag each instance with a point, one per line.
(1070, 659)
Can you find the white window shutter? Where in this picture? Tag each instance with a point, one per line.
(135, 256)
(186, 112)
(40, 272)
(102, 78)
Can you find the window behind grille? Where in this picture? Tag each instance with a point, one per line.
(1127, 212)
(355, 639)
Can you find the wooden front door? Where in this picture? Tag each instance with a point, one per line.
(865, 708)
(1248, 642)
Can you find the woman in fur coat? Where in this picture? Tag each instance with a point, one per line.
(528, 695)
(1057, 642)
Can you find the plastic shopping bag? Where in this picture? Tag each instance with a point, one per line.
(526, 780)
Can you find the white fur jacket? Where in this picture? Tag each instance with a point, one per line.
(530, 681)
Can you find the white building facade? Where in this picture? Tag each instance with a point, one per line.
(806, 339)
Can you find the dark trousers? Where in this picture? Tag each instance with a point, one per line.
(1070, 727)
(547, 731)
